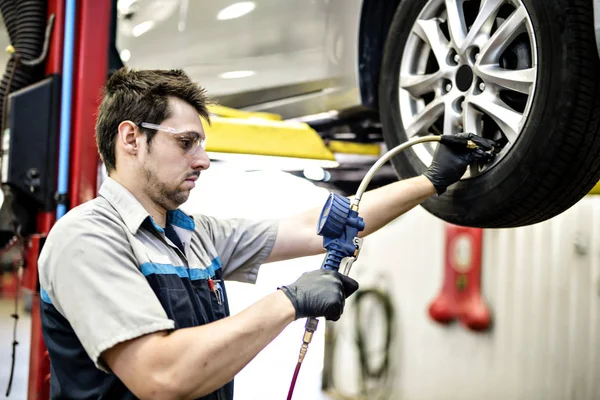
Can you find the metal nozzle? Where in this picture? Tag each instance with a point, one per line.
(305, 342)
(303, 351)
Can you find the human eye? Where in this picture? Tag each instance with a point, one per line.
(186, 142)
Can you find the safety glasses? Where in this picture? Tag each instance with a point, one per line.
(189, 141)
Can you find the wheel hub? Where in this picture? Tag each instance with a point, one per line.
(464, 78)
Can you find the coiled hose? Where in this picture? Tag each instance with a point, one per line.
(25, 21)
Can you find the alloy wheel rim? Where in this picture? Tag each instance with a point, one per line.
(468, 66)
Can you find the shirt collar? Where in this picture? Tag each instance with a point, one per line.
(133, 213)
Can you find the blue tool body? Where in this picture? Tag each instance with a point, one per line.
(339, 225)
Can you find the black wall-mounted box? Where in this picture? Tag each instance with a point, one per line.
(30, 159)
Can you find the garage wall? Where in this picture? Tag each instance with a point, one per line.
(542, 284)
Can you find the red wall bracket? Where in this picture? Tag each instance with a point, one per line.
(460, 297)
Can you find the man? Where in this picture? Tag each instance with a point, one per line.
(134, 304)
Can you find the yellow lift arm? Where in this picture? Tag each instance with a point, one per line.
(266, 134)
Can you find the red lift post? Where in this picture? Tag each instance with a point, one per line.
(90, 70)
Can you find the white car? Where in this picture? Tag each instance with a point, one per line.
(522, 72)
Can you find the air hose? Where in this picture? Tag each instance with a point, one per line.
(334, 213)
(368, 371)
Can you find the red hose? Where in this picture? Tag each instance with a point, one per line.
(293, 384)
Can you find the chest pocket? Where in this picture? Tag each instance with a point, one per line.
(213, 296)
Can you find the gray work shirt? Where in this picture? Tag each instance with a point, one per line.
(95, 266)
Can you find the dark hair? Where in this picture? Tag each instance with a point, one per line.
(142, 96)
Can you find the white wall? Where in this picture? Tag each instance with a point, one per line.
(542, 284)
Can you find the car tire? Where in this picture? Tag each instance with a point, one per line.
(555, 159)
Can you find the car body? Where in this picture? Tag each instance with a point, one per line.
(293, 57)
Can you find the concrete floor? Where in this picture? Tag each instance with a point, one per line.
(19, 385)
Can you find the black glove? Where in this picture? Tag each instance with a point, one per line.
(450, 162)
(320, 293)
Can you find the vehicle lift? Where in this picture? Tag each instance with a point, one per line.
(79, 54)
(89, 68)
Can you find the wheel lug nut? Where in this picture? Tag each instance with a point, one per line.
(457, 58)
(448, 87)
(482, 86)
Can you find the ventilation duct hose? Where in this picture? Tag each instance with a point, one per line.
(25, 21)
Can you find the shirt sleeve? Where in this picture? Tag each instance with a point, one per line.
(242, 244)
(89, 272)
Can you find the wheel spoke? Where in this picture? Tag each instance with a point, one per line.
(506, 33)
(426, 117)
(519, 80)
(451, 120)
(507, 119)
(474, 168)
(418, 85)
(430, 32)
(456, 22)
(483, 23)
(471, 119)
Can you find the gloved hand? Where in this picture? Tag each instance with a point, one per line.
(320, 293)
(450, 163)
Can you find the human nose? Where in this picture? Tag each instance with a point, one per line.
(201, 160)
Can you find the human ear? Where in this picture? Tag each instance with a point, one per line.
(128, 137)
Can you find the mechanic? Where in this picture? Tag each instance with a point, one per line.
(133, 299)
